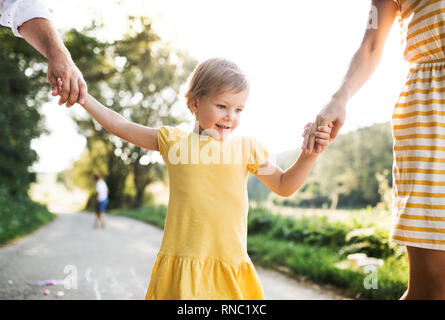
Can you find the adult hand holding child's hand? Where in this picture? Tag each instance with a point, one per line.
(322, 135)
(334, 113)
(59, 89)
(73, 87)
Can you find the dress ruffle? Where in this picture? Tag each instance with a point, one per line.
(203, 278)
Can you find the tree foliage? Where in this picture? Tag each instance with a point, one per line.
(139, 77)
(354, 171)
(23, 89)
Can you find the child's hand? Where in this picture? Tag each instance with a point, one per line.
(323, 135)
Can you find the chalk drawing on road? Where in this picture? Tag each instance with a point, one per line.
(88, 274)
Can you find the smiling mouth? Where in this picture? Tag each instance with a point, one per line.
(222, 127)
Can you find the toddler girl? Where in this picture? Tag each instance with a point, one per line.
(204, 253)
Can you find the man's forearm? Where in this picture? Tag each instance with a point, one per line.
(40, 34)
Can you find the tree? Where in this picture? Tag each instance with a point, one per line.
(351, 170)
(141, 81)
(23, 89)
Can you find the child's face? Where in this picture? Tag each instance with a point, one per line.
(219, 111)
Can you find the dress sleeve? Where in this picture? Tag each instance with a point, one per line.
(163, 139)
(258, 155)
(16, 12)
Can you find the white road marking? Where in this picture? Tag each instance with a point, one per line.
(137, 281)
(88, 274)
(96, 290)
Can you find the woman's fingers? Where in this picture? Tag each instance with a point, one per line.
(306, 128)
(316, 140)
(324, 129)
(322, 135)
(305, 135)
(311, 144)
(322, 142)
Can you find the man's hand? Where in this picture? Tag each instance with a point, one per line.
(73, 88)
(41, 34)
(334, 112)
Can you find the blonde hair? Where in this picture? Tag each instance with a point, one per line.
(214, 76)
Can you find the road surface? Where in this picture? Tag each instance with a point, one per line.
(111, 263)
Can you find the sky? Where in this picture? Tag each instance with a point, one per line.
(295, 54)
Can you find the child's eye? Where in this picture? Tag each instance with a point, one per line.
(221, 106)
(239, 110)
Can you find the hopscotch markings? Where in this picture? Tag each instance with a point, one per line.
(115, 285)
(88, 274)
(114, 282)
(137, 280)
(96, 290)
(95, 283)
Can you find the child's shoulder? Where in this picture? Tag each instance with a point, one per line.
(170, 131)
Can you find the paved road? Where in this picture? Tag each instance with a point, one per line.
(111, 263)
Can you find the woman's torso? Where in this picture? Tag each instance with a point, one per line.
(425, 36)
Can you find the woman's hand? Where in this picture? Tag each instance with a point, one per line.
(333, 115)
(322, 136)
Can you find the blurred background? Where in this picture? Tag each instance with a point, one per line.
(136, 57)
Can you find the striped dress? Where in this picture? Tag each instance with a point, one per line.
(419, 130)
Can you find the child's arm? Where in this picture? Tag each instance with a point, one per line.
(113, 122)
(285, 183)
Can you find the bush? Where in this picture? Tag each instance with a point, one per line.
(318, 231)
(20, 216)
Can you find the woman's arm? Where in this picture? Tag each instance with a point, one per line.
(363, 64)
(113, 122)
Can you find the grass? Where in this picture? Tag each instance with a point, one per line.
(313, 246)
(318, 265)
(154, 215)
(20, 216)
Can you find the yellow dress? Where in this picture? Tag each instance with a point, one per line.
(204, 249)
(419, 130)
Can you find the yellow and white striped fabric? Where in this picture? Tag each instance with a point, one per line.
(419, 130)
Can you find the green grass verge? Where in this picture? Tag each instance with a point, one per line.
(311, 247)
(318, 265)
(154, 215)
(20, 216)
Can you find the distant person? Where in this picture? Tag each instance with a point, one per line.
(204, 250)
(30, 19)
(418, 124)
(102, 201)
